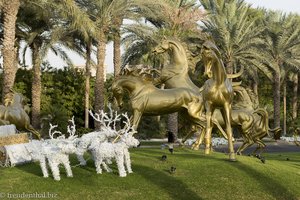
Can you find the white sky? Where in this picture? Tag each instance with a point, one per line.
(284, 5)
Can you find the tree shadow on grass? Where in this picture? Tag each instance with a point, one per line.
(272, 186)
(174, 187)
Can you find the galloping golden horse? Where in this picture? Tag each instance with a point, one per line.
(14, 113)
(146, 99)
(217, 93)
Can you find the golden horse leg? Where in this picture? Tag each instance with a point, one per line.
(244, 146)
(199, 140)
(261, 147)
(136, 118)
(207, 138)
(227, 118)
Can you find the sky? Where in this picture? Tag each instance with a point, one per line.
(283, 5)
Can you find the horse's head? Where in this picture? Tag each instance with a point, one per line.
(210, 53)
(14, 99)
(118, 93)
(161, 47)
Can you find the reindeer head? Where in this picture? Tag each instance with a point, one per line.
(65, 145)
(129, 140)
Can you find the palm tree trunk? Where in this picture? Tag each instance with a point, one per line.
(229, 67)
(255, 91)
(10, 10)
(172, 124)
(295, 97)
(276, 100)
(284, 108)
(99, 84)
(36, 88)
(117, 49)
(255, 88)
(87, 84)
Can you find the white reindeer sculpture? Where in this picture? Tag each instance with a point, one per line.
(103, 151)
(55, 150)
(108, 130)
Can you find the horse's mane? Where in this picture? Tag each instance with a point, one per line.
(139, 71)
(211, 45)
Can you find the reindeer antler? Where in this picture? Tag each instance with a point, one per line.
(72, 129)
(107, 120)
(114, 117)
(126, 129)
(51, 134)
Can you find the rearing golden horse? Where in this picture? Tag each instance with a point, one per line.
(175, 74)
(217, 93)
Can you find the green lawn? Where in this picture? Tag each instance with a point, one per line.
(197, 176)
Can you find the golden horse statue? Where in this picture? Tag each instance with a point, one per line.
(12, 112)
(217, 93)
(253, 124)
(146, 99)
(175, 74)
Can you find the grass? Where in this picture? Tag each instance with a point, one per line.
(197, 176)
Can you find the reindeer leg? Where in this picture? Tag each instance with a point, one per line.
(55, 169)
(120, 164)
(127, 161)
(105, 166)
(98, 163)
(43, 165)
(66, 163)
(79, 154)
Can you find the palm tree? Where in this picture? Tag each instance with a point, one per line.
(295, 96)
(233, 25)
(39, 29)
(279, 52)
(9, 52)
(45, 26)
(104, 14)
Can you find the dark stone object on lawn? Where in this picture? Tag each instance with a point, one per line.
(172, 169)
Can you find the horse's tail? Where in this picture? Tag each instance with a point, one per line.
(32, 130)
(236, 75)
(265, 119)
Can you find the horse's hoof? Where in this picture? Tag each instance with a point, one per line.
(207, 151)
(232, 157)
(195, 147)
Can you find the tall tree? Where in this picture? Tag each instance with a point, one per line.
(279, 52)
(36, 28)
(44, 26)
(9, 52)
(295, 81)
(104, 14)
(233, 25)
